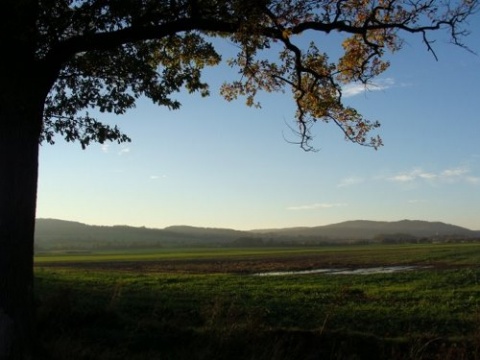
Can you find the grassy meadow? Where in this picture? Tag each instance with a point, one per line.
(210, 304)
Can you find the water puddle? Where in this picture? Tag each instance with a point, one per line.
(346, 271)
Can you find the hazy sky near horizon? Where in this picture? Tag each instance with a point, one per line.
(221, 164)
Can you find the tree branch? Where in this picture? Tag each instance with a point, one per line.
(63, 51)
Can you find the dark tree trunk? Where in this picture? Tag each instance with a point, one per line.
(18, 186)
(21, 111)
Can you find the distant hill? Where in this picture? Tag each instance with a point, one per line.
(363, 229)
(53, 234)
(200, 231)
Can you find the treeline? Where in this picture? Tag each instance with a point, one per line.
(379, 239)
(92, 245)
(410, 239)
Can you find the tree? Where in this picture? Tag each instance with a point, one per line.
(63, 57)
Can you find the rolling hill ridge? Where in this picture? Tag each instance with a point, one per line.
(367, 229)
(54, 234)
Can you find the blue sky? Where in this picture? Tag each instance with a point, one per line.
(220, 164)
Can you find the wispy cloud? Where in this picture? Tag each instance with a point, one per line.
(316, 206)
(359, 88)
(454, 173)
(108, 149)
(124, 150)
(447, 176)
(156, 177)
(473, 180)
(413, 175)
(416, 201)
(105, 147)
(349, 181)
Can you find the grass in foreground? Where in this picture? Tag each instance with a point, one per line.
(110, 314)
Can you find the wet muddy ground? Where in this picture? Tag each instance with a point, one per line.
(253, 265)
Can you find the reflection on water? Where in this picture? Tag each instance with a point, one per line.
(346, 271)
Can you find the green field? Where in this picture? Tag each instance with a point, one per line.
(208, 304)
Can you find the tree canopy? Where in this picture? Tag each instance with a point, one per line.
(106, 54)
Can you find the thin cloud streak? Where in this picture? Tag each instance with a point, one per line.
(350, 181)
(315, 206)
(124, 151)
(359, 88)
(473, 180)
(454, 172)
(416, 201)
(446, 176)
(156, 177)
